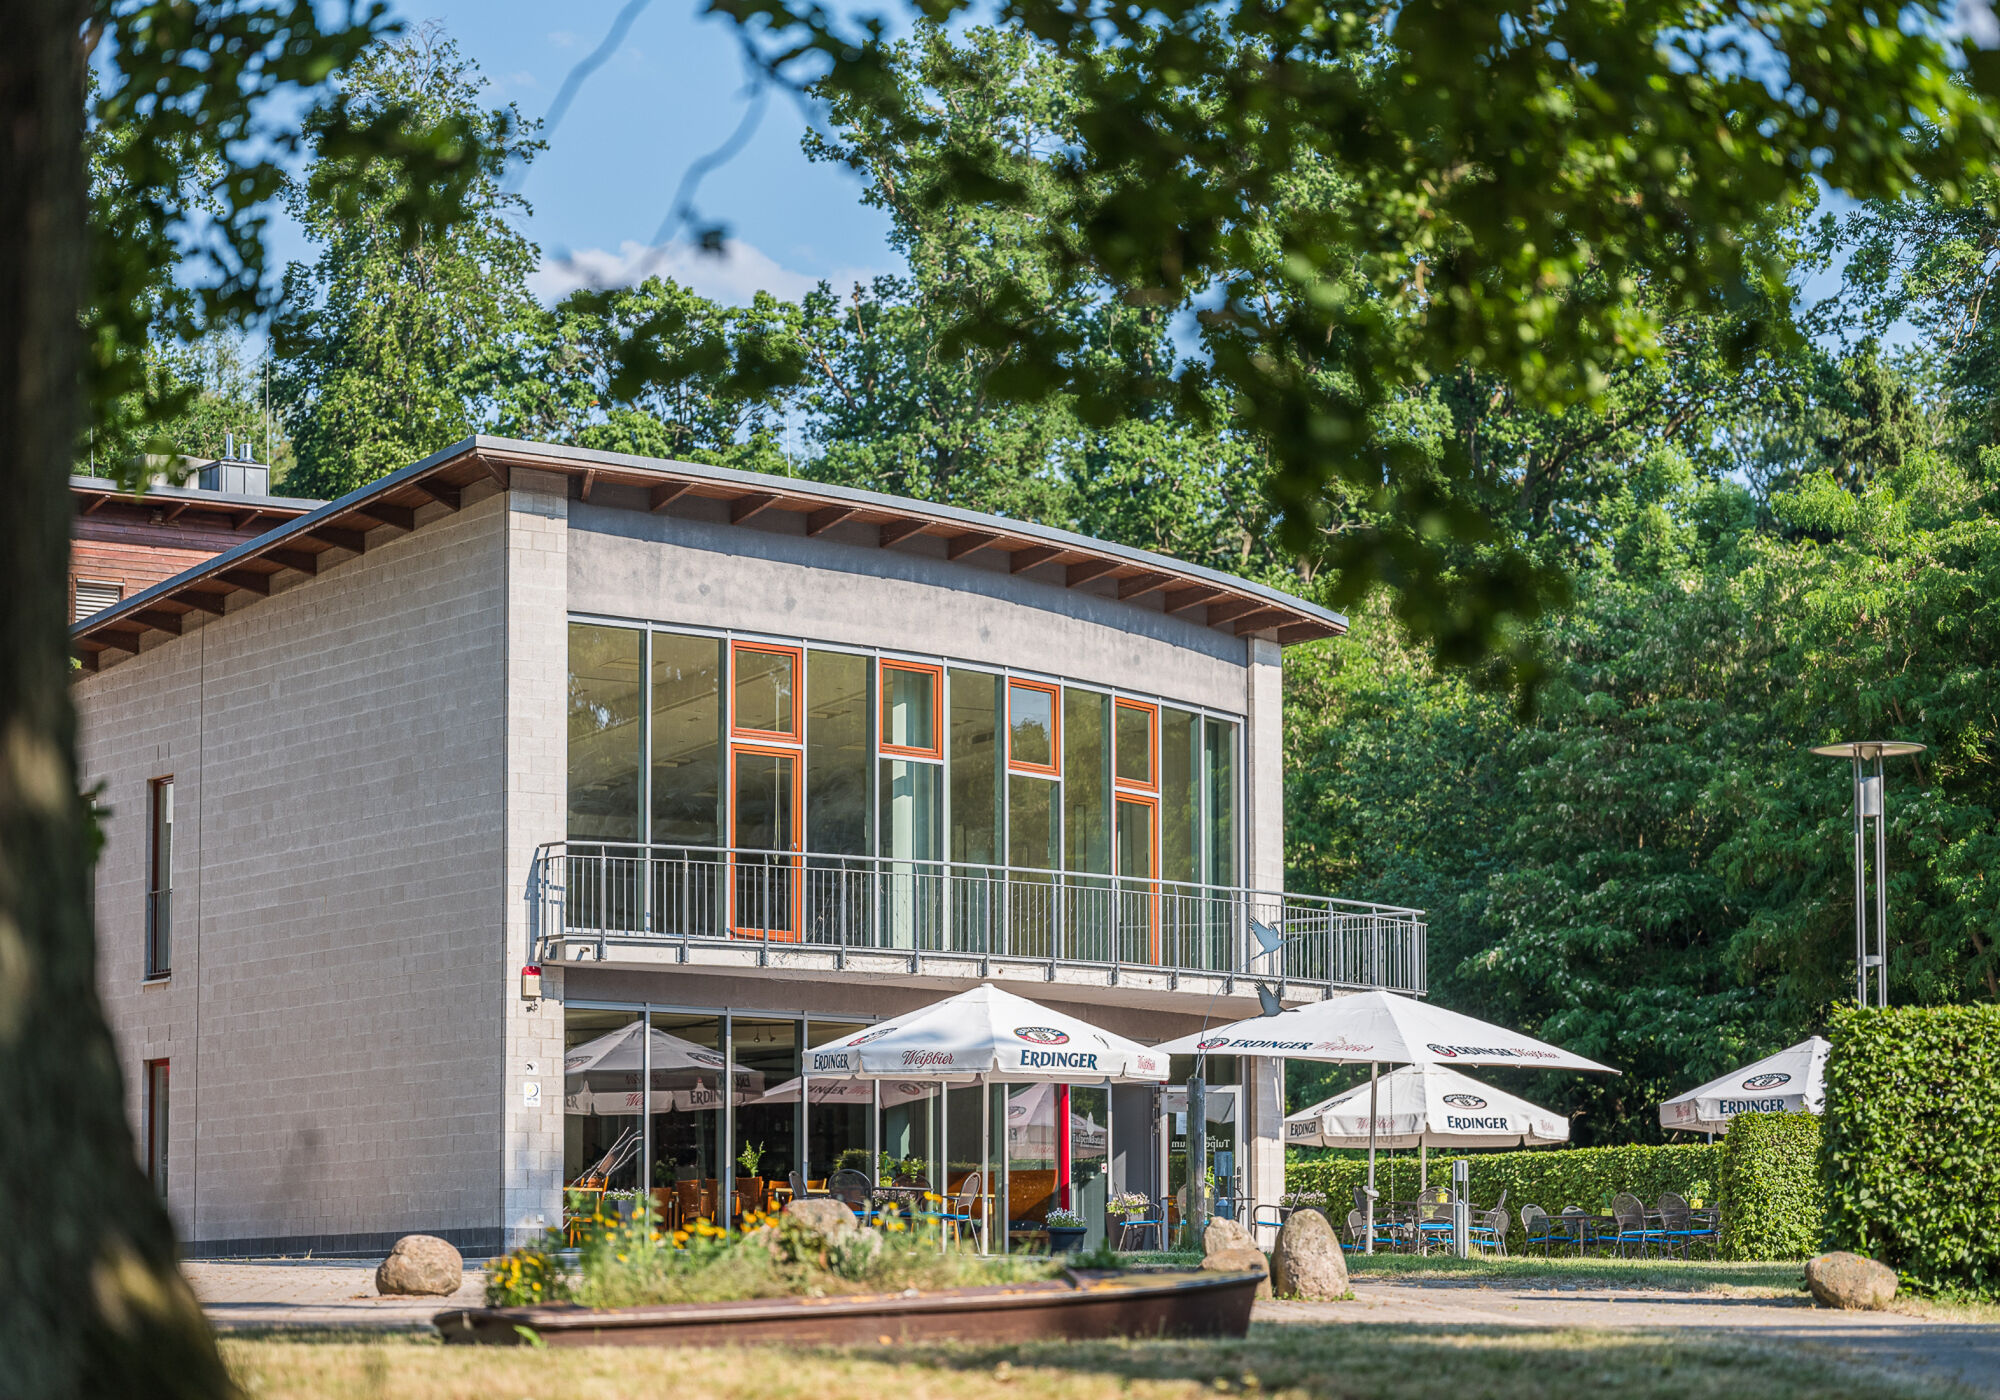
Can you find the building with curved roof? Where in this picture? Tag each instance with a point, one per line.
(424, 789)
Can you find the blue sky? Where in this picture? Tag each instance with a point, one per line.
(673, 91)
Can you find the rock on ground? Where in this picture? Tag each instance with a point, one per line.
(1842, 1280)
(1307, 1262)
(1224, 1234)
(1237, 1258)
(423, 1265)
(825, 1217)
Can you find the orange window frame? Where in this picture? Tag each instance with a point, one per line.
(1053, 768)
(917, 668)
(796, 865)
(1151, 879)
(798, 659)
(1151, 782)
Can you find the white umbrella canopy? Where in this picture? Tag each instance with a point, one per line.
(602, 1075)
(1380, 1028)
(855, 1091)
(1426, 1106)
(1791, 1081)
(989, 1034)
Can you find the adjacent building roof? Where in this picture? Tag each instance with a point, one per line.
(322, 537)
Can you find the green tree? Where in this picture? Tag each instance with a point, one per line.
(656, 370)
(1496, 187)
(379, 339)
(88, 257)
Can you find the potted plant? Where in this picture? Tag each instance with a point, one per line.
(1126, 1205)
(1066, 1230)
(750, 1159)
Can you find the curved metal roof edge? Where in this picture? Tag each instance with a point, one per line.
(559, 456)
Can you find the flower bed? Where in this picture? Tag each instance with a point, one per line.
(629, 1260)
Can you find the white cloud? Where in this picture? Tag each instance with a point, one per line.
(735, 275)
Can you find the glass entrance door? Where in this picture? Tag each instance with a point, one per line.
(1138, 879)
(764, 817)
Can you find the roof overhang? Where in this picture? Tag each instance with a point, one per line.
(324, 535)
(94, 493)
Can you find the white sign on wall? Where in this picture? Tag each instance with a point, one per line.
(531, 1094)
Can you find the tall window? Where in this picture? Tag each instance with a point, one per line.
(1086, 747)
(1219, 763)
(1180, 794)
(155, 1114)
(975, 767)
(687, 740)
(837, 753)
(606, 731)
(159, 877)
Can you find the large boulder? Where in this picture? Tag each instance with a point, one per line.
(1307, 1262)
(423, 1265)
(1239, 1259)
(823, 1217)
(1224, 1234)
(1843, 1280)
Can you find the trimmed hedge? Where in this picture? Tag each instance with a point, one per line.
(1769, 1188)
(1550, 1178)
(1911, 1158)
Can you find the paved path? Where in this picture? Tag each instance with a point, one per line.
(1965, 1352)
(312, 1293)
(338, 1293)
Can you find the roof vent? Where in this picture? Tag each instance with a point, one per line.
(236, 472)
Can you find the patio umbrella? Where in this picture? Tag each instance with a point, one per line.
(1377, 1028)
(1426, 1106)
(857, 1091)
(988, 1036)
(1791, 1081)
(601, 1076)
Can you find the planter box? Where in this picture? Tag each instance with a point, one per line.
(1078, 1306)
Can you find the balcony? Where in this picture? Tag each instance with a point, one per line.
(813, 915)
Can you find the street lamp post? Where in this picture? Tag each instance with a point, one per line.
(1870, 954)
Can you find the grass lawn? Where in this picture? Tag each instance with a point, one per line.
(1294, 1360)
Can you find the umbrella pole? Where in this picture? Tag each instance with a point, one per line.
(1424, 1162)
(943, 1187)
(1374, 1071)
(985, 1164)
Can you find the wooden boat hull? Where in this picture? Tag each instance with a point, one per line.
(1078, 1307)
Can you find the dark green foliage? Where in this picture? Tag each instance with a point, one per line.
(1912, 1148)
(1576, 1176)
(1769, 1188)
(1353, 205)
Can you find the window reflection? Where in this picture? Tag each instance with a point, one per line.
(604, 732)
(687, 740)
(766, 689)
(1031, 725)
(837, 753)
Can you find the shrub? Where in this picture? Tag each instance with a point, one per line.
(1768, 1185)
(1550, 1178)
(1912, 1143)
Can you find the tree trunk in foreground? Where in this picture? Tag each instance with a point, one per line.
(91, 1303)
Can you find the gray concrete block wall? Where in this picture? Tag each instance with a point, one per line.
(339, 957)
(537, 807)
(670, 569)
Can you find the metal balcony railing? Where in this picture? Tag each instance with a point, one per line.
(628, 893)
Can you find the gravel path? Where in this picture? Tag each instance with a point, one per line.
(312, 1293)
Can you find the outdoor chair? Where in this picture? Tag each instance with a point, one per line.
(1633, 1233)
(1678, 1227)
(1132, 1233)
(852, 1188)
(1488, 1231)
(1357, 1233)
(1430, 1228)
(798, 1180)
(1540, 1230)
(963, 1212)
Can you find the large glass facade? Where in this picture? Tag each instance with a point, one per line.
(774, 780)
